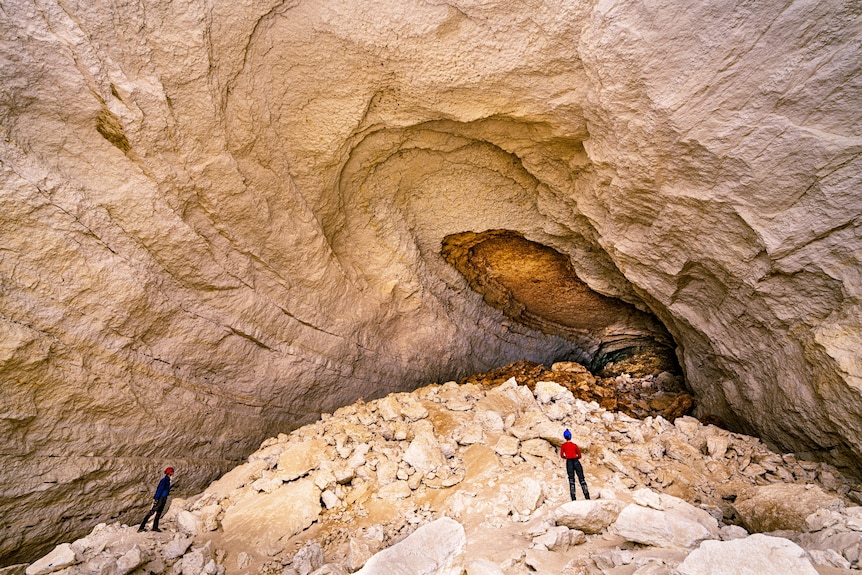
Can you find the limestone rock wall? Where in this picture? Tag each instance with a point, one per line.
(220, 219)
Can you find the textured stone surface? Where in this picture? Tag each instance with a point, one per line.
(755, 554)
(434, 549)
(776, 507)
(218, 221)
(660, 528)
(588, 516)
(263, 522)
(426, 529)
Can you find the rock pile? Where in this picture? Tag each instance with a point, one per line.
(653, 391)
(463, 478)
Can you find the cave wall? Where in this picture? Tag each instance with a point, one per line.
(221, 219)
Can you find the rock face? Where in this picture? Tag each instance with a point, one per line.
(218, 221)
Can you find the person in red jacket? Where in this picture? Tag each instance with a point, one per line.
(572, 454)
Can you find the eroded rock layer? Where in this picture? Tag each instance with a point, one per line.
(221, 219)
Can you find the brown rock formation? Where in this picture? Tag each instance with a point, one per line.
(219, 220)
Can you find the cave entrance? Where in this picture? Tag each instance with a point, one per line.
(537, 286)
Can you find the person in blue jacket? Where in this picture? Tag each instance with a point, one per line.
(160, 498)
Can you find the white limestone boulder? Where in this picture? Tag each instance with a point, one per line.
(660, 528)
(61, 557)
(559, 538)
(130, 560)
(308, 559)
(664, 502)
(189, 524)
(260, 521)
(589, 516)
(436, 548)
(299, 459)
(757, 554)
(424, 453)
(176, 547)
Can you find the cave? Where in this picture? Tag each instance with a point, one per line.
(536, 286)
(220, 221)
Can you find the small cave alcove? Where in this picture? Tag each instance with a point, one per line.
(537, 286)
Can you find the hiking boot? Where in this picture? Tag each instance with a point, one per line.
(140, 529)
(157, 530)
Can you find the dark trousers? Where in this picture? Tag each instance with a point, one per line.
(158, 508)
(573, 466)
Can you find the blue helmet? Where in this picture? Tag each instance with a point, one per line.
(567, 434)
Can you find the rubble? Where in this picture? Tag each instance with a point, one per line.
(471, 475)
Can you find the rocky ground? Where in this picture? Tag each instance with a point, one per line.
(465, 478)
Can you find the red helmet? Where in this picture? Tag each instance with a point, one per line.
(169, 470)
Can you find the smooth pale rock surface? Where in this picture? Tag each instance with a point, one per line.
(261, 522)
(660, 528)
(220, 220)
(434, 549)
(755, 555)
(483, 567)
(591, 516)
(131, 560)
(677, 506)
(62, 556)
(188, 523)
(300, 459)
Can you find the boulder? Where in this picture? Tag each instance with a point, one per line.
(389, 408)
(559, 538)
(525, 496)
(260, 520)
(194, 562)
(589, 516)
(754, 555)
(550, 391)
(176, 547)
(507, 445)
(359, 551)
(436, 548)
(424, 453)
(664, 502)
(189, 523)
(130, 560)
(781, 506)
(660, 528)
(61, 557)
(299, 459)
(308, 559)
